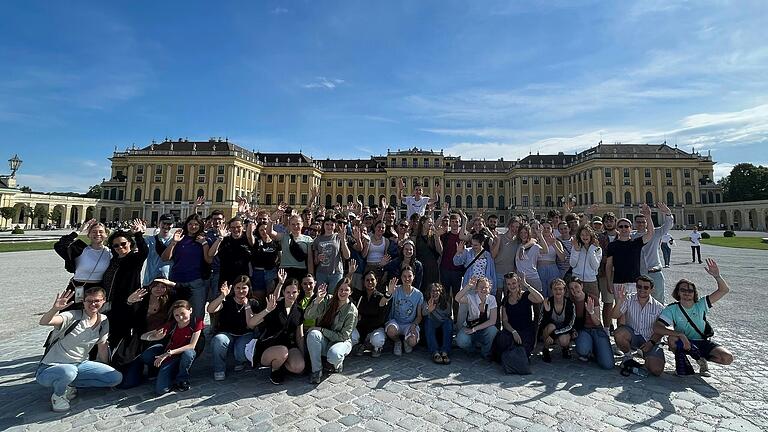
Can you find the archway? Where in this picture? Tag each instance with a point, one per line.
(752, 219)
(116, 214)
(737, 221)
(103, 215)
(724, 219)
(58, 216)
(710, 220)
(74, 215)
(89, 213)
(22, 212)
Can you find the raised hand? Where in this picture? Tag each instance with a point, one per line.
(160, 359)
(439, 230)
(460, 245)
(473, 281)
(158, 334)
(645, 211)
(619, 292)
(138, 226)
(438, 189)
(400, 184)
(224, 289)
(222, 231)
(663, 208)
(200, 201)
(392, 286)
(575, 244)
(445, 208)
(386, 259)
(352, 266)
(356, 234)
(201, 239)
(547, 307)
(322, 290)
(282, 275)
(712, 268)
(87, 226)
(63, 300)
(177, 236)
(590, 305)
(431, 304)
(272, 302)
(137, 295)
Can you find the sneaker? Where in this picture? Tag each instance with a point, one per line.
(398, 351)
(239, 367)
(408, 348)
(376, 353)
(566, 353)
(359, 350)
(666, 266)
(446, 359)
(219, 376)
(545, 356)
(316, 377)
(59, 403)
(703, 368)
(277, 376)
(339, 368)
(583, 358)
(183, 386)
(70, 393)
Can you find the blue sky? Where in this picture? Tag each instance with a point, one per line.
(482, 79)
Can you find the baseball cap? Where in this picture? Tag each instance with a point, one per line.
(597, 220)
(167, 217)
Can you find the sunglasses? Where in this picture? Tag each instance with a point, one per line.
(119, 245)
(624, 226)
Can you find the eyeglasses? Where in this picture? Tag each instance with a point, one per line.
(119, 245)
(624, 227)
(94, 302)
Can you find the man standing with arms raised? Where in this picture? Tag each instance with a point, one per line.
(623, 263)
(650, 262)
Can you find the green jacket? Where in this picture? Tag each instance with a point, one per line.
(343, 323)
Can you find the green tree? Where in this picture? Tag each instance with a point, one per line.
(55, 216)
(25, 189)
(39, 212)
(746, 182)
(94, 192)
(8, 213)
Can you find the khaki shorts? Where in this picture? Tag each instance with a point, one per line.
(605, 295)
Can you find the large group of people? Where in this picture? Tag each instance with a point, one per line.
(298, 292)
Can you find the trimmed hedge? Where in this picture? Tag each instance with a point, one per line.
(705, 235)
(729, 233)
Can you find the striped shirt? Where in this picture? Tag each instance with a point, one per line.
(641, 318)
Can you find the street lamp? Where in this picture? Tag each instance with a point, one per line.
(14, 163)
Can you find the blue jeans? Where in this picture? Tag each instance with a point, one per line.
(331, 279)
(224, 343)
(483, 338)
(595, 341)
(86, 374)
(666, 251)
(213, 285)
(430, 330)
(133, 374)
(260, 279)
(197, 292)
(173, 371)
(317, 345)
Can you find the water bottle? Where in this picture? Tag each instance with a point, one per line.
(641, 372)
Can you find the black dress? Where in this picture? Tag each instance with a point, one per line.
(279, 328)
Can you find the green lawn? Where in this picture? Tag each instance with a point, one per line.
(31, 246)
(737, 242)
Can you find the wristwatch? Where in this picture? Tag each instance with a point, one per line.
(387, 295)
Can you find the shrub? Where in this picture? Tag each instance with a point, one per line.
(17, 230)
(705, 235)
(729, 233)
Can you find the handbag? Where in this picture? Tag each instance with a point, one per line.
(708, 331)
(127, 350)
(296, 250)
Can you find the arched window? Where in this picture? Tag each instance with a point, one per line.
(350, 198)
(649, 198)
(177, 195)
(426, 182)
(490, 201)
(339, 198)
(609, 197)
(200, 193)
(219, 195)
(628, 199)
(469, 201)
(479, 201)
(688, 198)
(458, 201)
(670, 199)
(371, 200)
(328, 201)
(501, 201)
(448, 200)
(156, 195)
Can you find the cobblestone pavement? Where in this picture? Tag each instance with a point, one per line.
(410, 393)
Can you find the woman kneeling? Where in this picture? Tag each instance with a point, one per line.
(480, 328)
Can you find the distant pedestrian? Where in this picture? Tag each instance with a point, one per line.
(695, 244)
(666, 248)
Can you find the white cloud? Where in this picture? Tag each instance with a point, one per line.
(54, 182)
(324, 83)
(279, 11)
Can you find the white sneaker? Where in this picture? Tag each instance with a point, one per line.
(398, 348)
(703, 367)
(376, 352)
(59, 403)
(408, 348)
(239, 367)
(219, 376)
(70, 393)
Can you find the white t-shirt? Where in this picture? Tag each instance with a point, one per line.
(75, 346)
(695, 237)
(91, 264)
(416, 205)
(474, 305)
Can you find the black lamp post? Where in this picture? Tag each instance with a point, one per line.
(14, 163)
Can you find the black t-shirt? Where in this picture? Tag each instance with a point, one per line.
(370, 315)
(232, 317)
(265, 255)
(626, 259)
(279, 328)
(520, 314)
(234, 257)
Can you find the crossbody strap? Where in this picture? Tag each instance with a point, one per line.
(690, 321)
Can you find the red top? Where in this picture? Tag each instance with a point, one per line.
(182, 335)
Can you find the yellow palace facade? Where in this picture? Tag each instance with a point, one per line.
(168, 177)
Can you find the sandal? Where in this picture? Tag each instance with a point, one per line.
(437, 358)
(446, 359)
